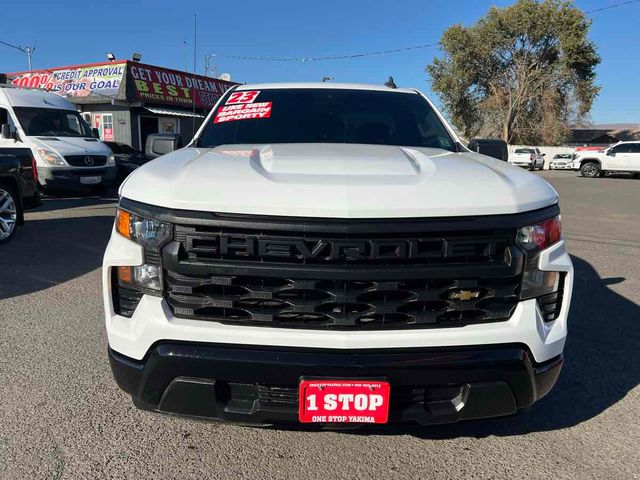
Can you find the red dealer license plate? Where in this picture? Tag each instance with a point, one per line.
(344, 401)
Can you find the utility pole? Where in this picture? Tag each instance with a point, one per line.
(186, 62)
(28, 50)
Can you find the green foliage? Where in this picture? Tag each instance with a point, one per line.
(523, 73)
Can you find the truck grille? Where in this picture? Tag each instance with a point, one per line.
(335, 275)
(86, 160)
(294, 302)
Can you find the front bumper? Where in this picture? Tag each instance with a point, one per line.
(561, 166)
(259, 385)
(63, 178)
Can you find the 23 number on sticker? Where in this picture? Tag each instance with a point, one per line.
(243, 97)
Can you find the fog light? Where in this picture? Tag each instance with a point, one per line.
(536, 283)
(147, 278)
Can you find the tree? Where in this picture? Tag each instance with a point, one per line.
(523, 73)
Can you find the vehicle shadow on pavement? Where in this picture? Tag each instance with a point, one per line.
(602, 364)
(83, 200)
(45, 253)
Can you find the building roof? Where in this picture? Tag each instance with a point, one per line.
(610, 126)
(605, 133)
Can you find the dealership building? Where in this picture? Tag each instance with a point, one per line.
(127, 100)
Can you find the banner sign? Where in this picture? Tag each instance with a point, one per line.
(99, 80)
(161, 85)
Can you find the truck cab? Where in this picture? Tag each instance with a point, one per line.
(67, 153)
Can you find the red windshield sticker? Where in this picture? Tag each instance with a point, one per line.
(248, 111)
(243, 97)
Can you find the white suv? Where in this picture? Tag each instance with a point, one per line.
(618, 158)
(331, 254)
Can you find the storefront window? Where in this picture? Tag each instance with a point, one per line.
(168, 125)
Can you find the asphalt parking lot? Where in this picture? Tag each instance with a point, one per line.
(62, 416)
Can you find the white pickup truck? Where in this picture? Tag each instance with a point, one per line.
(623, 157)
(527, 157)
(332, 254)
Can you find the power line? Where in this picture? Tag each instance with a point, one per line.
(329, 57)
(615, 5)
(379, 52)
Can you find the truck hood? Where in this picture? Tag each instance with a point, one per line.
(71, 145)
(337, 181)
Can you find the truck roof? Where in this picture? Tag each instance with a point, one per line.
(328, 85)
(30, 97)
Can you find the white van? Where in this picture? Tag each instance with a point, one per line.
(66, 151)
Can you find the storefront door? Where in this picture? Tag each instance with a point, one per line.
(104, 123)
(148, 125)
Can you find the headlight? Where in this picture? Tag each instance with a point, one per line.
(50, 157)
(146, 232)
(533, 239)
(150, 234)
(111, 159)
(145, 277)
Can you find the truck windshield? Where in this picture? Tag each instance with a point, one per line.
(325, 116)
(52, 122)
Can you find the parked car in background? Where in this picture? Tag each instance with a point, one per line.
(18, 189)
(623, 157)
(561, 161)
(66, 150)
(127, 158)
(527, 157)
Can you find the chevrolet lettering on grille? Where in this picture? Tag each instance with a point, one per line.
(337, 250)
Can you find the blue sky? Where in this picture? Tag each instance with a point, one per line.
(76, 32)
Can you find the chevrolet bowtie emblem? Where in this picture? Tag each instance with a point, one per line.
(464, 295)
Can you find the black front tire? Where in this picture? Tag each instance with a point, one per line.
(590, 170)
(10, 212)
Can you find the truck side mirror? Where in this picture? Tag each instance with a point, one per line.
(490, 147)
(159, 144)
(6, 131)
(96, 132)
(611, 153)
